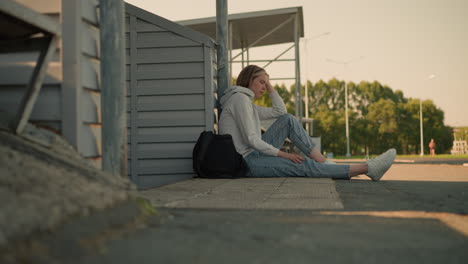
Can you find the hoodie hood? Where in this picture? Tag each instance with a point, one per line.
(229, 92)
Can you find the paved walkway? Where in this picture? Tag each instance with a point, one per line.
(417, 186)
(248, 193)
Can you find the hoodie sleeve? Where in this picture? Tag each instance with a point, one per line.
(278, 108)
(243, 113)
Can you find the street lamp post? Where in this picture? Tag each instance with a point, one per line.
(430, 77)
(346, 63)
(348, 154)
(421, 127)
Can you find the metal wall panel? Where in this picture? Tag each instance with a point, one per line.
(170, 71)
(168, 134)
(171, 54)
(171, 102)
(164, 151)
(173, 86)
(89, 148)
(143, 26)
(163, 39)
(89, 12)
(47, 107)
(81, 82)
(149, 166)
(20, 73)
(90, 70)
(90, 80)
(90, 43)
(133, 109)
(170, 118)
(16, 70)
(91, 107)
(169, 95)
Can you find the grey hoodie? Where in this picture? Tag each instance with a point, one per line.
(241, 119)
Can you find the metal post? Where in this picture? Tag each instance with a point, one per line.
(421, 127)
(47, 49)
(222, 40)
(345, 63)
(306, 104)
(113, 97)
(306, 93)
(243, 56)
(72, 90)
(347, 121)
(298, 71)
(230, 40)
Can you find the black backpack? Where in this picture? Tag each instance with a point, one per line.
(214, 156)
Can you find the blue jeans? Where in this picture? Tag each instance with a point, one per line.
(287, 126)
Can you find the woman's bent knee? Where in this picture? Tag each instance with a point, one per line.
(288, 117)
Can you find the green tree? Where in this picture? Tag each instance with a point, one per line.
(382, 124)
(407, 125)
(330, 126)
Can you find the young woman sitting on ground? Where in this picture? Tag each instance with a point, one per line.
(241, 119)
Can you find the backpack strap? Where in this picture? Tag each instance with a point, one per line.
(200, 151)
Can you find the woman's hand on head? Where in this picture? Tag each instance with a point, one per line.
(269, 86)
(296, 158)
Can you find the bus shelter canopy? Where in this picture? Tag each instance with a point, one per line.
(254, 29)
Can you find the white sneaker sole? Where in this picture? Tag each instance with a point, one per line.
(384, 162)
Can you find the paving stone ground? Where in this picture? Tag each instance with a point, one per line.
(248, 193)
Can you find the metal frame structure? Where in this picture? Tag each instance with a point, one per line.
(262, 28)
(19, 33)
(222, 39)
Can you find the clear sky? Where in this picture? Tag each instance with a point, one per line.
(402, 43)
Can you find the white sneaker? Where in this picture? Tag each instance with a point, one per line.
(329, 162)
(378, 166)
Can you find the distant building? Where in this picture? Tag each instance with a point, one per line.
(459, 147)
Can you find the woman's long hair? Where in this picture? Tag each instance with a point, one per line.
(248, 74)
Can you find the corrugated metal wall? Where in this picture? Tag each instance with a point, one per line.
(170, 82)
(69, 101)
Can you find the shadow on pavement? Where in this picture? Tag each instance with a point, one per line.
(264, 236)
(433, 196)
